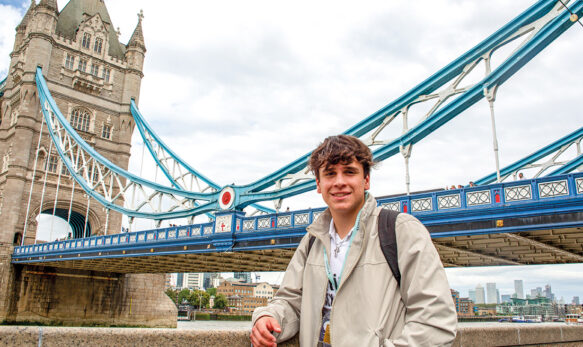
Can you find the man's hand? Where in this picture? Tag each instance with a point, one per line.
(261, 335)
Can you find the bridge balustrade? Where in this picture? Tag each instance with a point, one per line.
(427, 206)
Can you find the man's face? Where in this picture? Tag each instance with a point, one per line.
(342, 187)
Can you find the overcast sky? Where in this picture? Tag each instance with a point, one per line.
(239, 89)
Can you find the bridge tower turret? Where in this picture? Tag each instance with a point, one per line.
(92, 77)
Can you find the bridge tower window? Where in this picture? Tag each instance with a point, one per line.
(53, 164)
(94, 69)
(86, 42)
(105, 74)
(70, 61)
(82, 65)
(106, 131)
(98, 45)
(80, 120)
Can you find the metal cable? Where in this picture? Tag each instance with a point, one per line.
(32, 180)
(574, 16)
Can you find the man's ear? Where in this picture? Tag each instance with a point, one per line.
(319, 190)
(367, 182)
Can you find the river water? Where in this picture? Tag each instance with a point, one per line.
(246, 325)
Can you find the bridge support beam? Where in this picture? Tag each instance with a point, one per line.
(55, 296)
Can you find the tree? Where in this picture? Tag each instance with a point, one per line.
(183, 295)
(212, 291)
(172, 294)
(220, 301)
(199, 298)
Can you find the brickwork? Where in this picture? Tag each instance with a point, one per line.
(101, 83)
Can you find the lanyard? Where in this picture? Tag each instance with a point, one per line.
(335, 283)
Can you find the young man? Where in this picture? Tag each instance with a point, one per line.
(341, 291)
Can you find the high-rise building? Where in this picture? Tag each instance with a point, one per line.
(575, 300)
(548, 292)
(536, 293)
(519, 289)
(208, 280)
(492, 295)
(179, 280)
(194, 280)
(472, 295)
(480, 295)
(245, 277)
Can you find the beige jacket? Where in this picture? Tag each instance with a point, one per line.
(369, 308)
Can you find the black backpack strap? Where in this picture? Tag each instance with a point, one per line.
(311, 240)
(388, 240)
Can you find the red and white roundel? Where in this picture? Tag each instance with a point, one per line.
(226, 198)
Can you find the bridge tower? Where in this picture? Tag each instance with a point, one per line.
(93, 78)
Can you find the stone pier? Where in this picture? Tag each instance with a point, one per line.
(56, 296)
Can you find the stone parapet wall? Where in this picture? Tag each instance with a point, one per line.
(517, 335)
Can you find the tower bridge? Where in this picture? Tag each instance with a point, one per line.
(538, 221)
(69, 106)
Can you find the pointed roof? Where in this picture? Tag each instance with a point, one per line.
(137, 39)
(27, 15)
(71, 18)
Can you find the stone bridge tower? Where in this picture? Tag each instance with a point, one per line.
(92, 77)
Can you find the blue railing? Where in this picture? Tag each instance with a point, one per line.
(424, 205)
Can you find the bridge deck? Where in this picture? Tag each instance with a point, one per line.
(524, 222)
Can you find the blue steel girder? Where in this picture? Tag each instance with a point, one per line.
(557, 148)
(180, 174)
(504, 209)
(543, 22)
(110, 184)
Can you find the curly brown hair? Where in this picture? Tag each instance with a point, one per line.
(341, 149)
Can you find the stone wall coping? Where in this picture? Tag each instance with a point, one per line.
(519, 335)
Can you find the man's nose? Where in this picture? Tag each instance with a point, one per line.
(340, 180)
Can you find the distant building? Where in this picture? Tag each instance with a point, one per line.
(245, 277)
(245, 304)
(575, 301)
(536, 293)
(167, 281)
(480, 295)
(242, 297)
(179, 280)
(548, 292)
(208, 278)
(540, 306)
(505, 298)
(492, 294)
(463, 306)
(519, 289)
(472, 295)
(264, 290)
(194, 280)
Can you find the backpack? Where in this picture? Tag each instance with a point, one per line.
(387, 240)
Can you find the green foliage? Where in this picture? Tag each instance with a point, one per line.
(199, 298)
(172, 294)
(202, 316)
(212, 291)
(220, 301)
(183, 295)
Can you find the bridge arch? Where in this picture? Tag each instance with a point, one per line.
(76, 222)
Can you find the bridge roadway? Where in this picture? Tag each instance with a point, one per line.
(538, 221)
